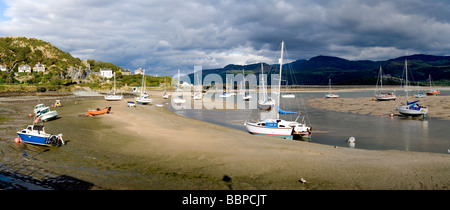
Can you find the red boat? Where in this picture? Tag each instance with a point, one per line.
(432, 92)
(98, 111)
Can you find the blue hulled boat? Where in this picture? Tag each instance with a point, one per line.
(35, 134)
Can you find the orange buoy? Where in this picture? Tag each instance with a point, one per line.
(17, 140)
(30, 115)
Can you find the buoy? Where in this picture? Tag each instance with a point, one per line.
(392, 114)
(17, 140)
(30, 115)
(373, 99)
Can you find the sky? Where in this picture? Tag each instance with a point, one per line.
(164, 36)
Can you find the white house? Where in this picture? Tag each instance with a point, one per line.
(25, 68)
(139, 71)
(106, 72)
(3, 68)
(39, 67)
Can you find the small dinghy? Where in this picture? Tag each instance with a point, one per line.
(98, 111)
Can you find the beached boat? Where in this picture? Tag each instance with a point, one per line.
(432, 91)
(35, 134)
(277, 127)
(114, 97)
(383, 95)
(58, 103)
(178, 93)
(331, 94)
(246, 96)
(38, 107)
(411, 108)
(165, 95)
(197, 95)
(420, 95)
(143, 98)
(46, 114)
(98, 111)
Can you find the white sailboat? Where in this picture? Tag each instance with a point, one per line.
(198, 93)
(382, 95)
(179, 99)
(277, 127)
(432, 92)
(265, 102)
(114, 97)
(411, 108)
(143, 98)
(165, 94)
(246, 96)
(331, 94)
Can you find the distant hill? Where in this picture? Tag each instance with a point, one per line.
(317, 70)
(15, 51)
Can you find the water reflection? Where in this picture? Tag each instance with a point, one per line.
(335, 128)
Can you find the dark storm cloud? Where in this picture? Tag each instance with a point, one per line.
(163, 36)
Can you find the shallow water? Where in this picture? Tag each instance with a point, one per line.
(335, 128)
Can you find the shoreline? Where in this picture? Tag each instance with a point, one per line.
(150, 147)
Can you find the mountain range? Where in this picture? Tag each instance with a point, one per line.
(15, 51)
(318, 70)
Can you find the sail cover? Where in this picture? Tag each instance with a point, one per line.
(409, 103)
(285, 112)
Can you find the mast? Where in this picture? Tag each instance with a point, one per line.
(279, 82)
(262, 82)
(406, 70)
(114, 83)
(381, 78)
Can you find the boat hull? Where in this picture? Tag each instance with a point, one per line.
(412, 111)
(256, 129)
(433, 93)
(266, 106)
(34, 139)
(288, 96)
(49, 116)
(99, 112)
(113, 98)
(331, 96)
(385, 97)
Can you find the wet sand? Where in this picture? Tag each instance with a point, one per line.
(149, 147)
(438, 106)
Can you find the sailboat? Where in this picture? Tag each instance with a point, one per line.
(277, 127)
(114, 97)
(143, 98)
(432, 91)
(411, 108)
(265, 102)
(331, 94)
(179, 99)
(198, 94)
(383, 96)
(165, 94)
(245, 96)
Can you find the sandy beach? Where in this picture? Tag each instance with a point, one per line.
(438, 106)
(149, 147)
